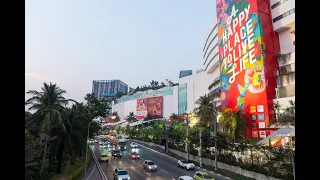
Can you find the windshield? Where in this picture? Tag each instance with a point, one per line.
(134, 153)
(185, 162)
(205, 176)
(116, 151)
(122, 172)
(150, 163)
(104, 156)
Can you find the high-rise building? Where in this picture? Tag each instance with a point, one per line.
(283, 18)
(185, 73)
(101, 87)
(251, 46)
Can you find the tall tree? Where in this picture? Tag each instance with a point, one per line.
(131, 117)
(49, 104)
(206, 110)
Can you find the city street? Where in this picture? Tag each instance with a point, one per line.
(167, 167)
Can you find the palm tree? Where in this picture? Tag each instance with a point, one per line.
(49, 104)
(235, 123)
(207, 114)
(131, 117)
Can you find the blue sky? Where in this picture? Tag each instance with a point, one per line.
(72, 42)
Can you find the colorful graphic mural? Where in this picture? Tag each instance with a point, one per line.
(142, 108)
(242, 56)
(182, 98)
(155, 106)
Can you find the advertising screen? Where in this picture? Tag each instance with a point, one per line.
(142, 108)
(182, 98)
(155, 106)
(242, 59)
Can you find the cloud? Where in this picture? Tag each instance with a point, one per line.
(39, 77)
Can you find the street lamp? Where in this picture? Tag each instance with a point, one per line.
(113, 118)
(187, 120)
(85, 170)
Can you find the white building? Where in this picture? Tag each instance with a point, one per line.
(283, 18)
(211, 64)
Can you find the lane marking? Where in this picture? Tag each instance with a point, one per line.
(92, 171)
(146, 173)
(164, 171)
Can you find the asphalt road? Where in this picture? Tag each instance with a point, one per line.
(167, 167)
(92, 172)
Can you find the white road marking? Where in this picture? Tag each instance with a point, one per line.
(91, 172)
(147, 173)
(164, 171)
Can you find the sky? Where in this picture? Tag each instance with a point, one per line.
(73, 42)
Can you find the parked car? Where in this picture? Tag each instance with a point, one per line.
(133, 145)
(116, 153)
(183, 178)
(149, 165)
(185, 164)
(134, 155)
(200, 175)
(121, 174)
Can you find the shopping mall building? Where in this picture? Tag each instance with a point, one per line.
(248, 64)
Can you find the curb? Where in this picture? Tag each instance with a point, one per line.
(196, 167)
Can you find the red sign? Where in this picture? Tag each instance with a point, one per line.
(142, 108)
(242, 54)
(155, 106)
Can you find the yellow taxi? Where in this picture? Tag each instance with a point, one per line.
(104, 158)
(200, 175)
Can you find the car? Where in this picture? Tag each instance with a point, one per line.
(116, 153)
(133, 145)
(121, 174)
(200, 175)
(183, 178)
(185, 164)
(104, 158)
(134, 155)
(149, 165)
(100, 142)
(96, 141)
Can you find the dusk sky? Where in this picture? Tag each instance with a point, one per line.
(73, 42)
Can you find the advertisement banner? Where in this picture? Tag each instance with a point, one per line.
(242, 59)
(155, 106)
(182, 98)
(142, 108)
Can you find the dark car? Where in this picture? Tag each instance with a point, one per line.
(116, 153)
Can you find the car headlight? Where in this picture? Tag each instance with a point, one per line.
(120, 179)
(128, 178)
(149, 167)
(155, 166)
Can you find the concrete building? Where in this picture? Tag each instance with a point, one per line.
(211, 64)
(185, 73)
(283, 18)
(101, 87)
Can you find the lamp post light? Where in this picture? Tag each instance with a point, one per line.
(113, 118)
(85, 169)
(187, 121)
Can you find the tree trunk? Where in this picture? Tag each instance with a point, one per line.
(59, 165)
(44, 157)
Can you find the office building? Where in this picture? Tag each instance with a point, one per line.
(102, 87)
(185, 73)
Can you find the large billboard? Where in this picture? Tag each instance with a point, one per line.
(182, 98)
(155, 106)
(242, 61)
(142, 108)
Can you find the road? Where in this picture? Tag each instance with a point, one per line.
(167, 167)
(92, 172)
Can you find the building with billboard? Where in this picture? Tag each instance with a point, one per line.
(101, 87)
(283, 21)
(253, 38)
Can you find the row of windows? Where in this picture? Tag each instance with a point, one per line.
(213, 29)
(212, 53)
(283, 15)
(278, 3)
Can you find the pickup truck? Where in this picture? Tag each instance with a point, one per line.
(183, 178)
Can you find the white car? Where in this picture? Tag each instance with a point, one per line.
(184, 178)
(185, 164)
(100, 143)
(133, 145)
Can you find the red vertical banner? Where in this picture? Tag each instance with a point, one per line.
(242, 62)
(142, 108)
(155, 106)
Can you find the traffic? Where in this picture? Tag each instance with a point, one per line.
(122, 159)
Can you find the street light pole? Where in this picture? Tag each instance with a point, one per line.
(215, 144)
(200, 152)
(187, 138)
(85, 169)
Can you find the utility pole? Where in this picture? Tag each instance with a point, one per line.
(187, 138)
(166, 133)
(292, 159)
(215, 144)
(200, 152)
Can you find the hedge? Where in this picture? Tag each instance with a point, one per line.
(78, 174)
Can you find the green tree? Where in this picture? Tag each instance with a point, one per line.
(131, 117)
(206, 110)
(49, 104)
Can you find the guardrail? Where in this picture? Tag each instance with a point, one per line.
(103, 176)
